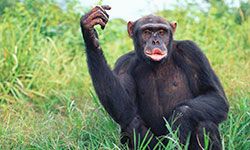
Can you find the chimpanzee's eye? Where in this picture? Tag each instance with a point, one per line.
(162, 32)
(147, 33)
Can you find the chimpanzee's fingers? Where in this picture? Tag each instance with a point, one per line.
(98, 21)
(106, 7)
(103, 10)
(102, 15)
(98, 14)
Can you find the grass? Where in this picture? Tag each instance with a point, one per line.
(46, 97)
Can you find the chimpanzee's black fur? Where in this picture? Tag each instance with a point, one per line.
(138, 94)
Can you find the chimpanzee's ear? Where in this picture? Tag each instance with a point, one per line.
(173, 25)
(130, 28)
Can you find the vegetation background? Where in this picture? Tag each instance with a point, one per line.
(46, 97)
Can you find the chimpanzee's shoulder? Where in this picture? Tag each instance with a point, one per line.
(124, 62)
(187, 46)
(189, 52)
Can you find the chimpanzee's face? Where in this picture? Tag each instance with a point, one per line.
(152, 38)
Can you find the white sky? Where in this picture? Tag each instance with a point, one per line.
(134, 9)
(131, 9)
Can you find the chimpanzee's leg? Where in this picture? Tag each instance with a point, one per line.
(183, 121)
(210, 130)
(136, 133)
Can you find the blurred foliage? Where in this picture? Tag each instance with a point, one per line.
(243, 13)
(6, 4)
(46, 98)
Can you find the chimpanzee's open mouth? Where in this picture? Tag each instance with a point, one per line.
(156, 54)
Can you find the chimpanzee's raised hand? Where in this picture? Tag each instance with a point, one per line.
(102, 75)
(97, 16)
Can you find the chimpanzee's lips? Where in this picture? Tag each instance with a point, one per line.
(156, 54)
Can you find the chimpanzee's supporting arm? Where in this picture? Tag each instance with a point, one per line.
(210, 103)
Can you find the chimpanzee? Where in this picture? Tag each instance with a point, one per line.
(161, 81)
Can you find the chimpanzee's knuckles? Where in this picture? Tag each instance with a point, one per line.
(100, 22)
(96, 8)
(92, 18)
(182, 111)
(102, 16)
(91, 24)
(102, 9)
(84, 22)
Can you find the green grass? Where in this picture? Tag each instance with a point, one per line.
(46, 97)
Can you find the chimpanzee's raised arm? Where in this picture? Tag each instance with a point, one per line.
(110, 91)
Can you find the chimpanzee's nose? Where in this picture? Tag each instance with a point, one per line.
(155, 42)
